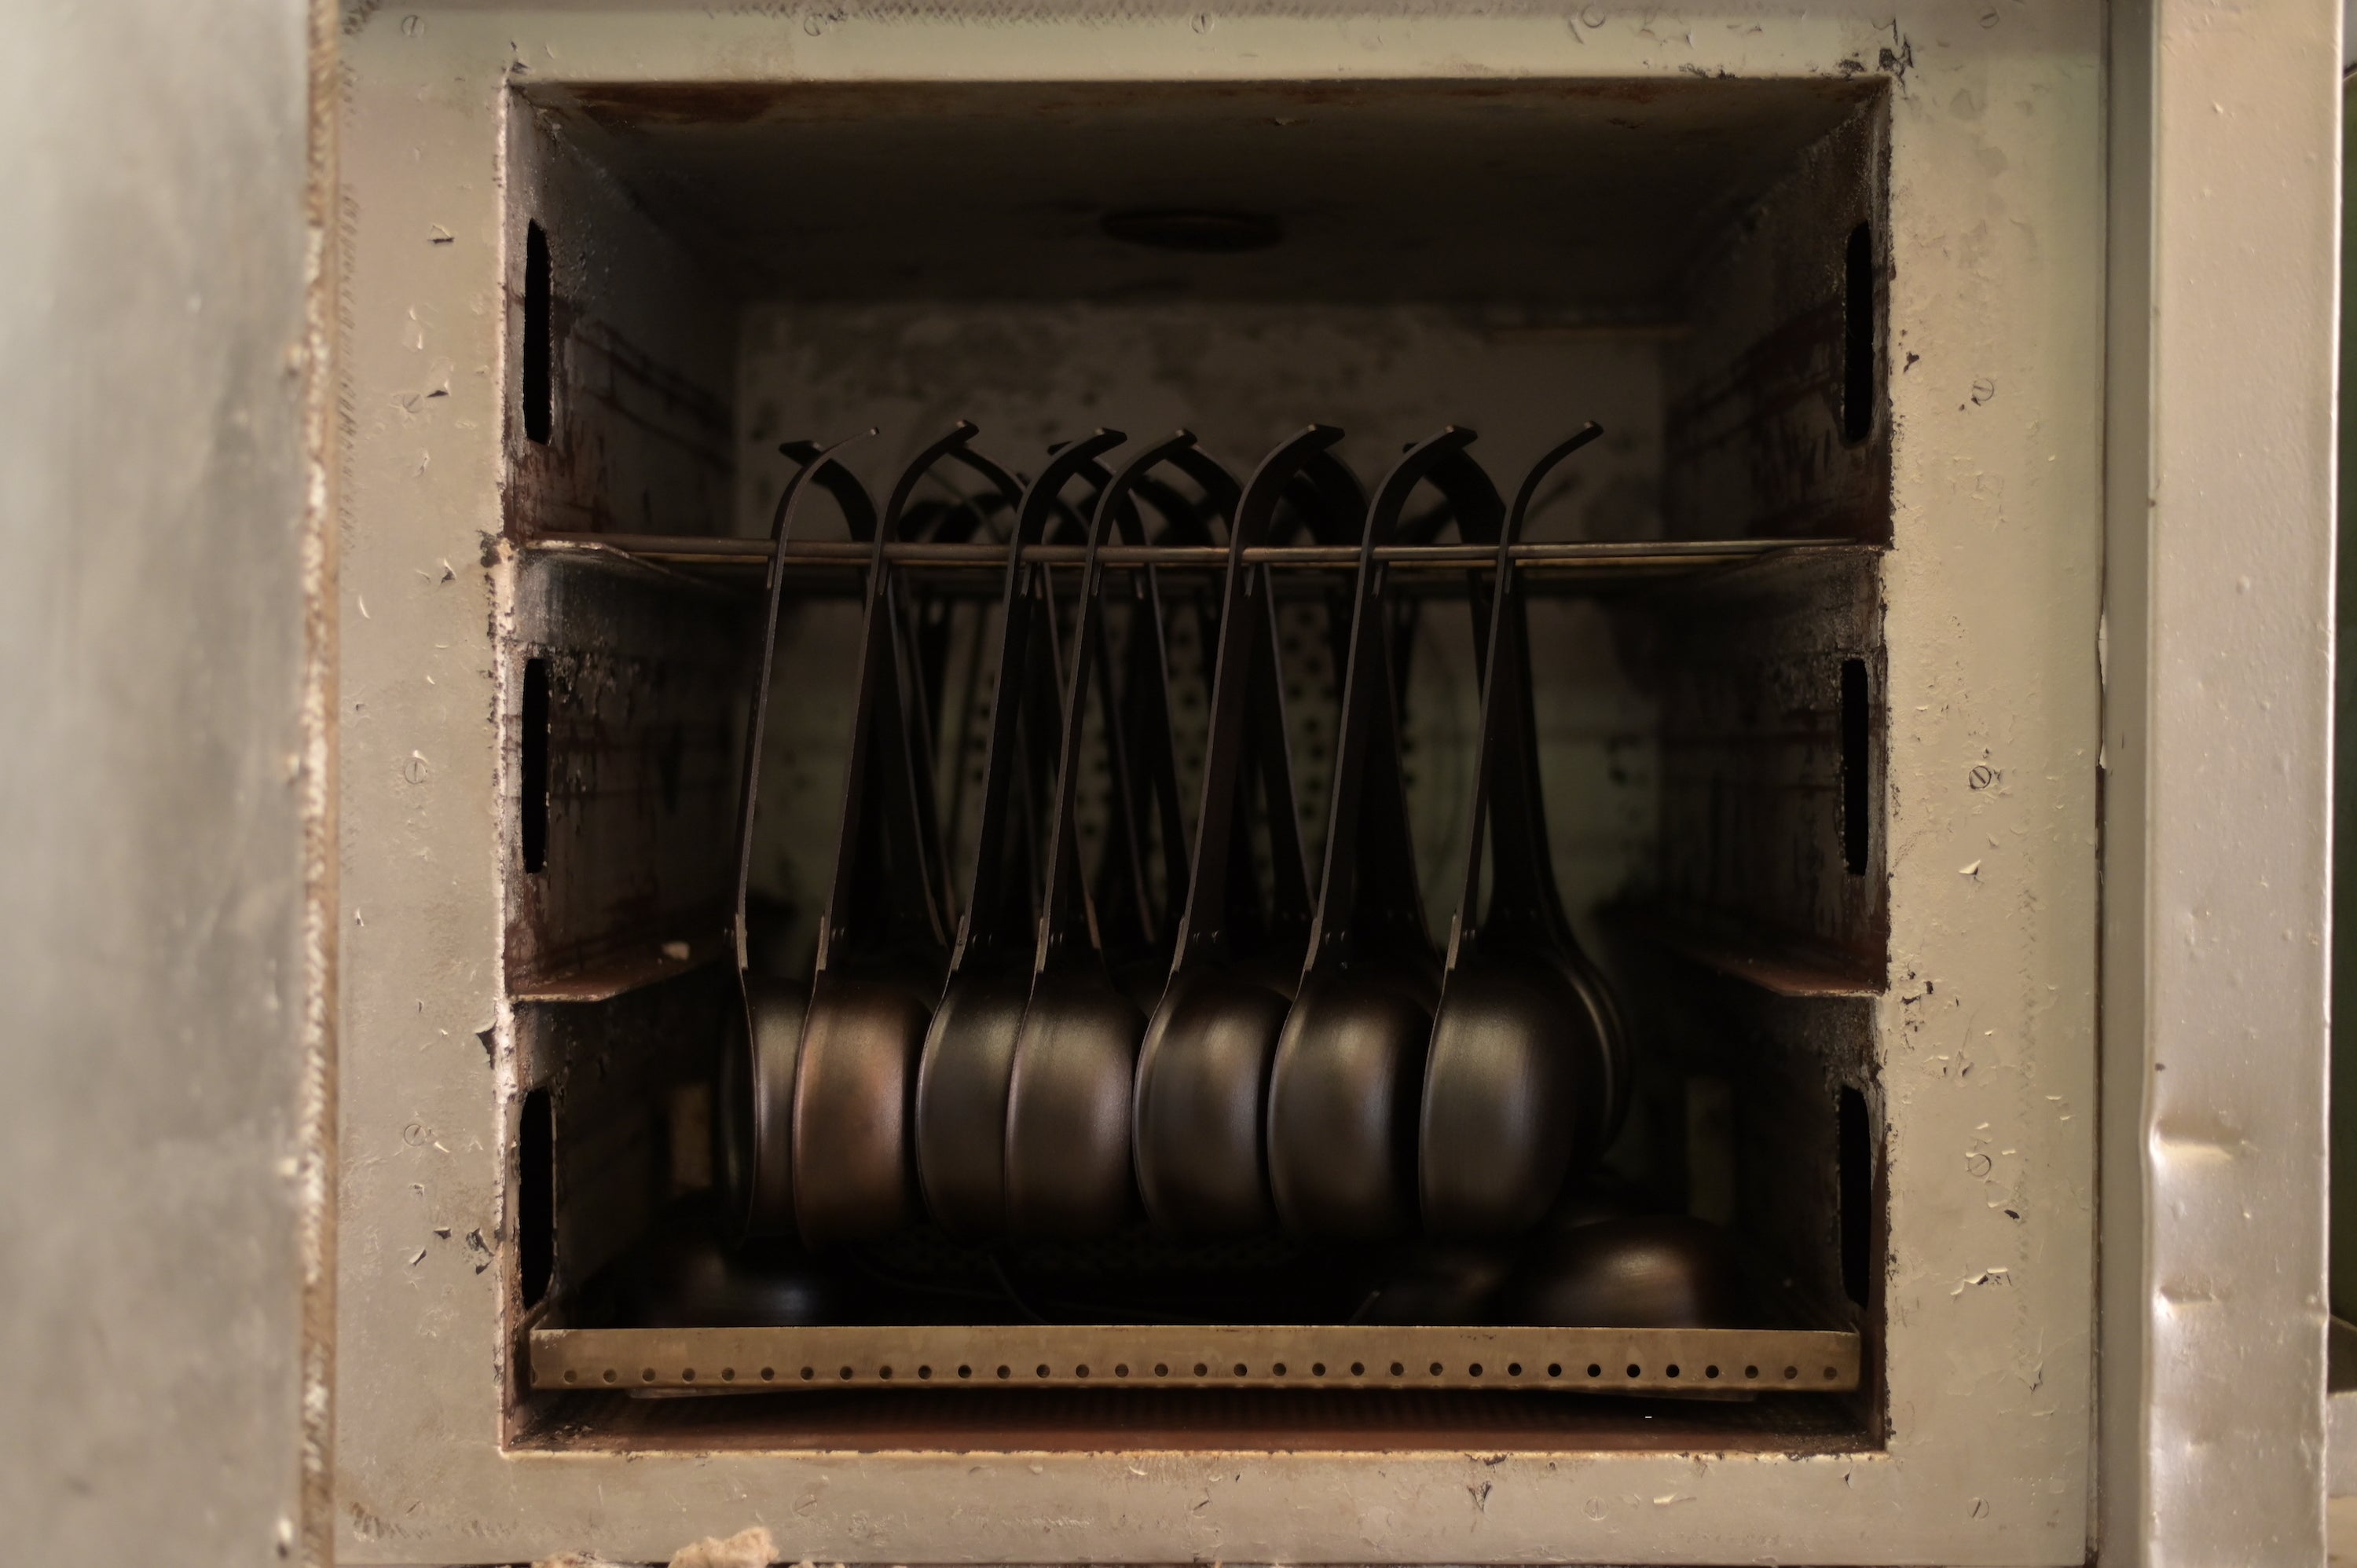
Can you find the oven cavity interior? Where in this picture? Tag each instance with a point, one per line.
(1196, 754)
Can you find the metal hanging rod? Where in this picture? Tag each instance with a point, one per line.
(1442, 558)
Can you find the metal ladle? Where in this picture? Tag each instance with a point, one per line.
(881, 948)
(1344, 1087)
(1518, 1083)
(1472, 503)
(1203, 1072)
(754, 1094)
(969, 1051)
(1068, 1154)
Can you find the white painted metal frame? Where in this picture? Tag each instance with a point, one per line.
(2225, 234)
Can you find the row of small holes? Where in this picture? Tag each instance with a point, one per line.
(1514, 1369)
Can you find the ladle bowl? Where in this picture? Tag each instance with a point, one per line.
(1201, 1100)
(1439, 1284)
(1068, 1156)
(965, 1075)
(1342, 1105)
(961, 1087)
(1512, 1054)
(854, 1171)
(1345, 1084)
(1069, 1170)
(1651, 1271)
(754, 1098)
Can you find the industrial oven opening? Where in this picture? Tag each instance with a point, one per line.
(1202, 755)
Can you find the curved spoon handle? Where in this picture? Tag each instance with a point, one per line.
(1505, 753)
(1370, 713)
(886, 877)
(1068, 925)
(1244, 647)
(840, 483)
(987, 923)
(842, 486)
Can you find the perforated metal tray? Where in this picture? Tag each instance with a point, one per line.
(1592, 1361)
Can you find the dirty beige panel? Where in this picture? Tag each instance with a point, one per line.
(1985, 1072)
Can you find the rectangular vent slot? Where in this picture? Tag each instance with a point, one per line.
(539, 399)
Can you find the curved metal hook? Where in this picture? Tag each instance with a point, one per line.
(1202, 923)
(1368, 699)
(821, 467)
(1065, 888)
(987, 891)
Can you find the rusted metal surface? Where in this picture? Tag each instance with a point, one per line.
(640, 414)
(1754, 757)
(1757, 437)
(643, 681)
(1781, 968)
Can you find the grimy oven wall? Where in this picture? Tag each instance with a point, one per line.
(1979, 1049)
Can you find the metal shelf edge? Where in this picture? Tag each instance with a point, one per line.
(1617, 1360)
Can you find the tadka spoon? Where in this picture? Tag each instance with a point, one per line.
(1068, 1154)
(755, 1089)
(881, 949)
(1472, 503)
(1517, 1087)
(969, 1050)
(1202, 1071)
(1349, 1061)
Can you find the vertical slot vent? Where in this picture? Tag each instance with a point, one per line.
(531, 768)
(1855, 732)
(1858, 335)
(1856, 1197)
(536, 1195)
(538, 396)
